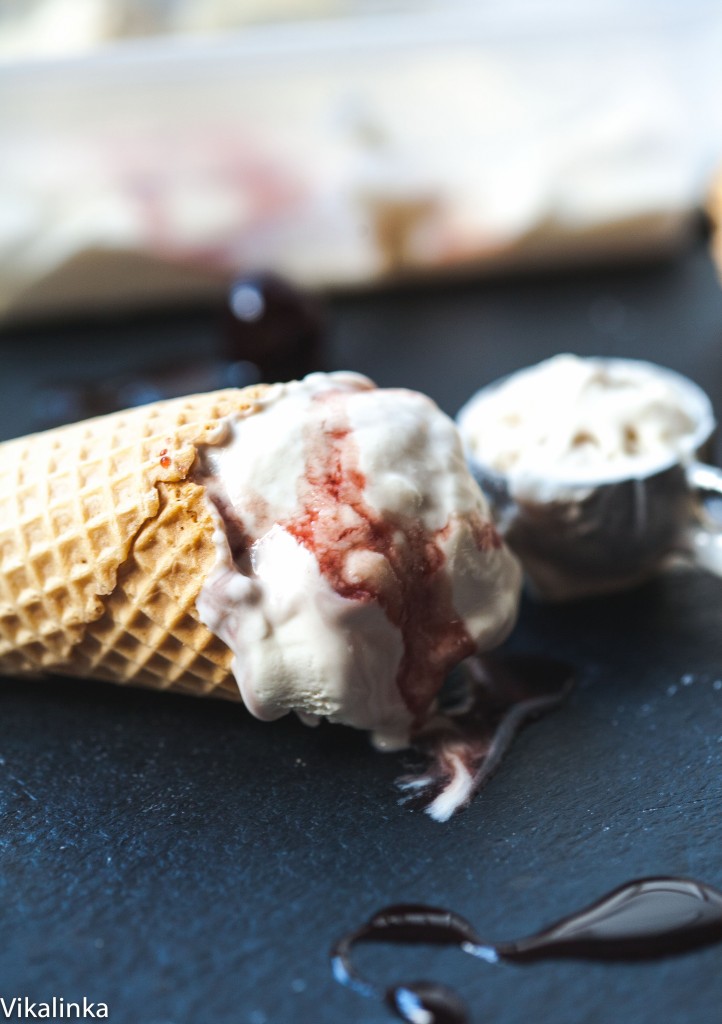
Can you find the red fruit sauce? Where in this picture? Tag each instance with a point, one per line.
(335, 519)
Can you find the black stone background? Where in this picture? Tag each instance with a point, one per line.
(186, 864)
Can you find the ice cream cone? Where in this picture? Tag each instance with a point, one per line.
(105, 542)
(318, 547)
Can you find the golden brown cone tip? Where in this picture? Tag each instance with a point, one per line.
(105, 542)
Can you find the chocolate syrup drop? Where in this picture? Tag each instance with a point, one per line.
(642, 920)
(648, 918)
(275, 325)
(423, 1002)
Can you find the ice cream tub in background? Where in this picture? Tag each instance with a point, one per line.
(596, 470)
(350, 151)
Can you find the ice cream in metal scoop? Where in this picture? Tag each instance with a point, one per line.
(593, 469)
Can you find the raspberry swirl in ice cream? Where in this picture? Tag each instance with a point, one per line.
(356, 561)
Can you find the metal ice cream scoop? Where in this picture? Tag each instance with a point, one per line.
(578, 537)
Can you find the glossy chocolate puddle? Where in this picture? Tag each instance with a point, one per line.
(642, 920)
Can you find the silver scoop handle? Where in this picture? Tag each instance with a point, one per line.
(704, 536)
(704, 478)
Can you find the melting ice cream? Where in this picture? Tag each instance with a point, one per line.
(356, 560)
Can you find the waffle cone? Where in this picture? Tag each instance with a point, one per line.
(105, 542)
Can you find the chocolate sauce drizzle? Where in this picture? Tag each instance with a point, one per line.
(642, 920)
(484, 704)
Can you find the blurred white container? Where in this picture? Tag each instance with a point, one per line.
(350, 151)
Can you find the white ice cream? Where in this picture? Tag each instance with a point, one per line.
(582, 421)
(356, 561)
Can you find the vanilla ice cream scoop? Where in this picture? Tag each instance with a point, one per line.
(578, 420)
(592, 468)
(356, 562)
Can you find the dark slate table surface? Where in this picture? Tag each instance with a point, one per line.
(183, 863)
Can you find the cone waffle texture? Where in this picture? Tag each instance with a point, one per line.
(105, 542)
